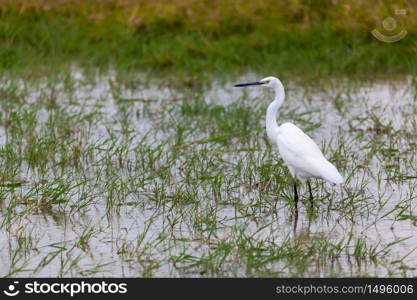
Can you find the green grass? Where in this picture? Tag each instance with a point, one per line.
(40, 44)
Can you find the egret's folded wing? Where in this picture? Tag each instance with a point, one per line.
(302, 153)
(297, 141)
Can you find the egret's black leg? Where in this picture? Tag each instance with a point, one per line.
(311, 196)
(295, 205)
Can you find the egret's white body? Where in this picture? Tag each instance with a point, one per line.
(302, 156)
(299, 152)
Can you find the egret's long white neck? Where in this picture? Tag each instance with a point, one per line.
(272, 127)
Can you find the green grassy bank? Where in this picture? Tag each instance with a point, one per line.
(307, 40)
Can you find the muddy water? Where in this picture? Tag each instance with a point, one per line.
(359, 116)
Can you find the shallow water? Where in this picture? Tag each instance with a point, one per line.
(164, 217)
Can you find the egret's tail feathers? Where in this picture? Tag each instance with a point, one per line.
(331, 174)
(337, 178)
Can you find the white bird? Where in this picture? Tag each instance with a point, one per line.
(299, 152)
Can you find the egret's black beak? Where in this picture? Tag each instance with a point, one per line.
(249, 83)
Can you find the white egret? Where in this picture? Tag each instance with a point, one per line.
(299, 152)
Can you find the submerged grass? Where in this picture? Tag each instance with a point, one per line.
(108, 176)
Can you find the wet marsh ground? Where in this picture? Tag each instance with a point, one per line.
(111, 175)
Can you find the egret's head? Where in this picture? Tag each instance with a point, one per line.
(266, 82)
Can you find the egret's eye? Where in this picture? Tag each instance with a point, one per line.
(266, 81)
